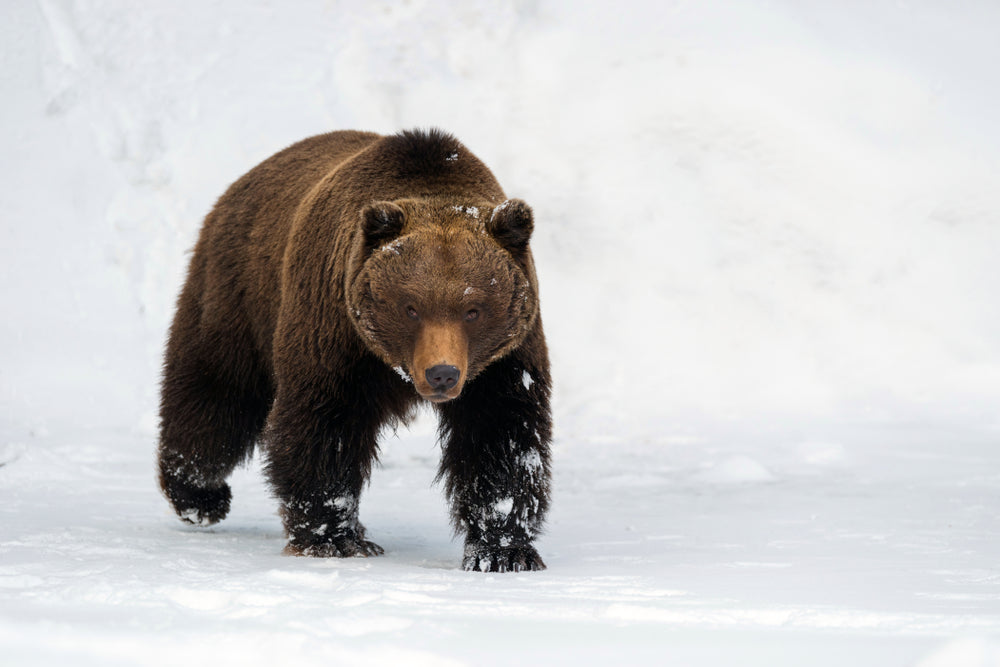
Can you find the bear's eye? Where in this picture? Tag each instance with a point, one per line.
(471, 315)
(411, 312)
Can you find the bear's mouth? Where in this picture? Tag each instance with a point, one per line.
(440, 396)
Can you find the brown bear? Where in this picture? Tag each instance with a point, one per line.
(332, 288)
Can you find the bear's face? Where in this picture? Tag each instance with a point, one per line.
(439, 292)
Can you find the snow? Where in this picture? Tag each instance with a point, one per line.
(527, 380)
(395, 247)
(504, 506)
(401, 372)
(964, 652)
(470, 211)
(766, 237)
(736, 470)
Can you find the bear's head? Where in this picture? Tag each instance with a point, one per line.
(439, 291)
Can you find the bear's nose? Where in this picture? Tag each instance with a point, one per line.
(442, 376)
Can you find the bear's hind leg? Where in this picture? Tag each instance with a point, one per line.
(213, 407)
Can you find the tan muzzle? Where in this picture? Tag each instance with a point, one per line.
(440, 360)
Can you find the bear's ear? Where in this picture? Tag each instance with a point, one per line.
(381, 221)
(511, 224)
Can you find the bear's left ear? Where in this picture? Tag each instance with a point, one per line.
(511, 224)
(381, 221)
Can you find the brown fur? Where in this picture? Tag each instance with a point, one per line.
(315, 275)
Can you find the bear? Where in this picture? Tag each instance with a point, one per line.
(335, 288)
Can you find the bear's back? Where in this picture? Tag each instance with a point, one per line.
(240, 250)
(262, 202)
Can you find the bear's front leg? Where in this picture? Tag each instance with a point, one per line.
(319, 456)
(495, 464)
(326, 525)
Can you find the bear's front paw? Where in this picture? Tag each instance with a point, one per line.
(197, 505)
(487, 558)
(341, 547)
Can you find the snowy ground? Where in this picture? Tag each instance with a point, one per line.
(767, 240)
(875, 547)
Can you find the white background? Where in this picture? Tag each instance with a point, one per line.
(767, 235)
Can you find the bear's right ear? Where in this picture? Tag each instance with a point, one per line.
(381, 222)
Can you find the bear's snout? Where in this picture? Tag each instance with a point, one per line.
(440, 360)
(442, 377)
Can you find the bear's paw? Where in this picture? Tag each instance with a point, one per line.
(488, 558)
(340, 547)
(200, 506)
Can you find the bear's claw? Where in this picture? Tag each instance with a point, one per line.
(486, 558)
(344, 547)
